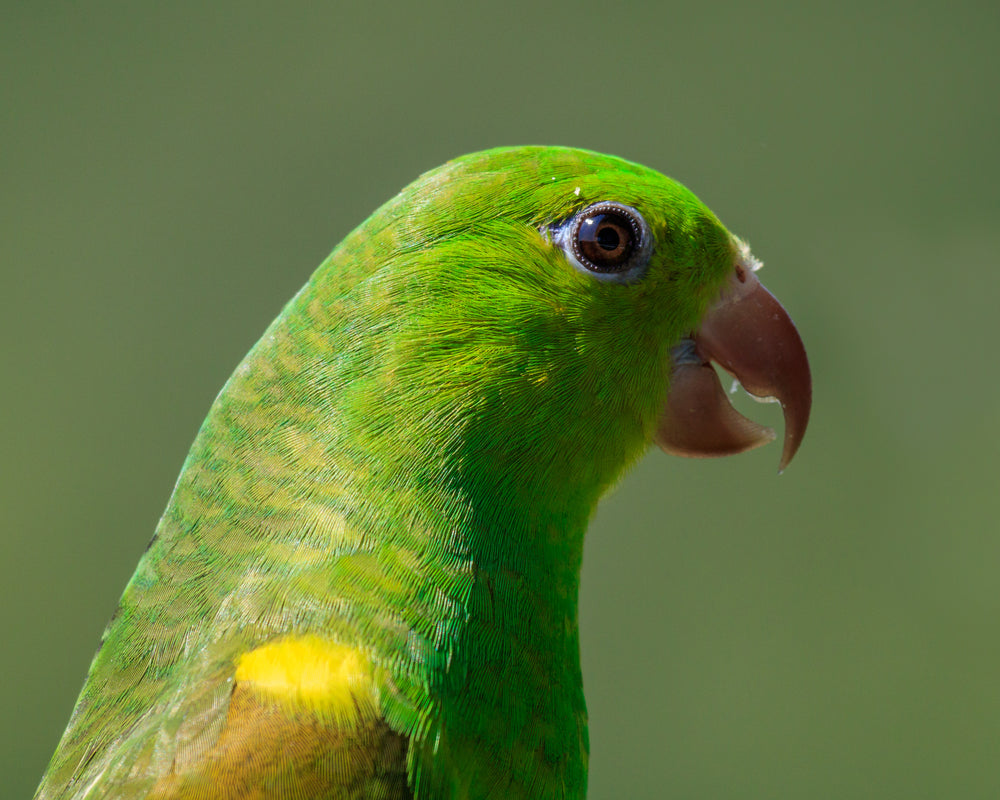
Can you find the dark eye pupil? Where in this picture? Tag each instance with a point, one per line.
(606, 240)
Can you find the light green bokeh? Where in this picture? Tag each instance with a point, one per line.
(171, 175)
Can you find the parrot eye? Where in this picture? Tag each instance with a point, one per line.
(609, 240)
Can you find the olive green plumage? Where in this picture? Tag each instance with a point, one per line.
(406, 463)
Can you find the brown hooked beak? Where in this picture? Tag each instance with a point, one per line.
(749, 334)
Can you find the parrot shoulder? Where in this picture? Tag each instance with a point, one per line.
(302, 718)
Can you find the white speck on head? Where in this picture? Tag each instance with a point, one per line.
(747, 259)
(576, 191)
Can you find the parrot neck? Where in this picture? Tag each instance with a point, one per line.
(510, 700)
(507, 698)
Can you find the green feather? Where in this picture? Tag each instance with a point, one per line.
(406, 463)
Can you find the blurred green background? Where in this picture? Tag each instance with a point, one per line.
(172, 173)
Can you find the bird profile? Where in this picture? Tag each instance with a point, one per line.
(365, 583)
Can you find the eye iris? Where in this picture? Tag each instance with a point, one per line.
(606, 239)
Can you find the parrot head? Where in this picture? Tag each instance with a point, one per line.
(584, 297)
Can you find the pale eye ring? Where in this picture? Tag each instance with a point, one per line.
(609, 240)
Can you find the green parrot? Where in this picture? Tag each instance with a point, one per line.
(365, 582)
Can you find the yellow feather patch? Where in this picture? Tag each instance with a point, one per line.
(312, 674)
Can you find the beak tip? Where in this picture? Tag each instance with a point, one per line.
(796, 420)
